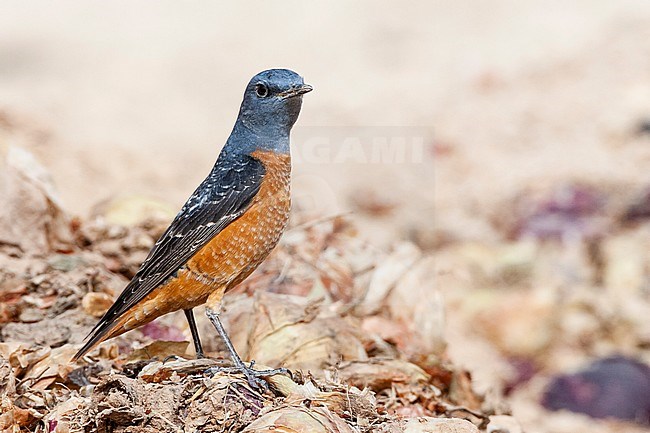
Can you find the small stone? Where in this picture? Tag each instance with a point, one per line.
(31, 315)
(96, 303)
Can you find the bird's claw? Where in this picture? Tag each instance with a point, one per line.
(253, 377)
(173, 358)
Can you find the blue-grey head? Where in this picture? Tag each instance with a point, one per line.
(271, 106)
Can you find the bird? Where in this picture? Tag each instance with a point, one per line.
(227, 227)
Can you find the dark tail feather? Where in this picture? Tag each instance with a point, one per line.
(96, 336)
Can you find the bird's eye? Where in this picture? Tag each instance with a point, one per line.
(261, 90)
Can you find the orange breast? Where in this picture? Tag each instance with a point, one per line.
(230, 256)
(233, 254)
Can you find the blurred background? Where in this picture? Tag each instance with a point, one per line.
(518, 146)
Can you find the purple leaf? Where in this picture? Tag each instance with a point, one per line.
(615, 387)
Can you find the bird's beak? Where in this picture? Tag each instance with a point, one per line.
(296, 91)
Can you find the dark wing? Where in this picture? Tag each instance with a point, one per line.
(220, 199)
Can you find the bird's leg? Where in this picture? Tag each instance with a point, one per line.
(252, 376)
(189, 315)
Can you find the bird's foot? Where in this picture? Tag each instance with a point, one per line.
(173, 358)
(253, 377)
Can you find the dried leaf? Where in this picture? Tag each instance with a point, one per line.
(22, 356)
(7, 378)
(30, 215)
(299, 420)
(386, 275)
(350, 401)
(159, 350)
(285, 330)
(378, 374)
(424, 319)
(430, 425)
(8, 421)
(55, 366)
